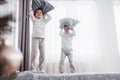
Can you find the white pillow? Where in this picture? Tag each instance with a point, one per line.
(70, 22)
(46, 7)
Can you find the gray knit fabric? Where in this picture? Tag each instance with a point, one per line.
(46, 6)
(75, 76)
(70, 22)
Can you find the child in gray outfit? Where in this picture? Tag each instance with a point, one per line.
(38, 39)
(66, 49)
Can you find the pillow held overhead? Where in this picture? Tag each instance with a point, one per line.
(46, 7)
(70, 22)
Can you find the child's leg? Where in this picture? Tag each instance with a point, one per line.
(42, 54)
(70, 57)
(34, 52)
(61, 66)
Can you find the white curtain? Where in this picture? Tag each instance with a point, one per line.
(117, 19)
(95, 47)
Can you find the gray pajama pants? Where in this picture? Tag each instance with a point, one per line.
(37, 43)
(65, 53)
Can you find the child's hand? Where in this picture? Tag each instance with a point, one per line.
(71, 28)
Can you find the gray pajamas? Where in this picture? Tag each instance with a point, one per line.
(67, 53)
(38, 43)
(38, 35)
(66, 50)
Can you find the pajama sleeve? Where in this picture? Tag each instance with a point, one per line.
(61, 32)
(47, 18)
(73, 33)
(31, 15)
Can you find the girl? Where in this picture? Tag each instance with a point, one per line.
(66, 49)
(38, 37)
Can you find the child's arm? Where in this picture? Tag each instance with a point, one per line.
(73, 32)
(31, 15)
(31, 12)
(47, 18)
(61, 32)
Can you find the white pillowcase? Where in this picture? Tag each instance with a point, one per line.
(70, 22)
(46, 7)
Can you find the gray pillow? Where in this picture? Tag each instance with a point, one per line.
(46, 7)
(70, 22)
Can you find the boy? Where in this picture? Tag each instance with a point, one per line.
(38, 38)
(66, 49)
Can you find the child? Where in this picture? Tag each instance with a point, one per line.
(66, 49)
(38, 38)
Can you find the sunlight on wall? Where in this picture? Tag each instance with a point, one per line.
(117, 21)
(85, 44)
